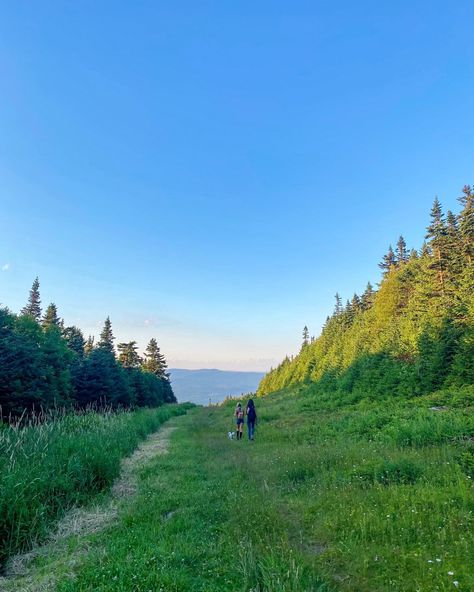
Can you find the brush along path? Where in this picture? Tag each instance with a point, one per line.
(37, 570)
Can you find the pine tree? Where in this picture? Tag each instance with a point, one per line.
(128, 355)
(388, 261)
(106, 341)
(155, 361)
(50, 317)
(402, 253)
(305, 336)
(33, 307)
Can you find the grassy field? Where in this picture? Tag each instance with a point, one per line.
(330, 497)
(56, 462)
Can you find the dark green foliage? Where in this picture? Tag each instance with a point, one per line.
(43, 366)
(412, 336)
(106, 341)
(75, 340)
(33, 306)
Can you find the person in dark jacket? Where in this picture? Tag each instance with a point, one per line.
(251, 418)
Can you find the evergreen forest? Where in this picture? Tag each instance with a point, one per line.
(412, 335)
(45, 364)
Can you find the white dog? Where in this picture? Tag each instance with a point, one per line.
(230, 435)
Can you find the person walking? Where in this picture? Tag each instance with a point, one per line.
(251, 418)
(239, 414)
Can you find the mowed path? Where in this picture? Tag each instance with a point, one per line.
(40, 569)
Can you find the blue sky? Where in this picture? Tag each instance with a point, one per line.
(210, 173)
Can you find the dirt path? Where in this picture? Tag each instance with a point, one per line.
(26, 573)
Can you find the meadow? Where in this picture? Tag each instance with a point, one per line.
(59, 460)
(333, 495)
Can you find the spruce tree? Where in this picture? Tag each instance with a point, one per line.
(155, 361)
(305, 336)
(89, 345)
(338, 306)
(51, 317)
(367, 298)
(436, 234)
(106, 341)
(75, 340)
(33, 307)
(402, 253)
(388, 261)
(128, 355)
(466, 223)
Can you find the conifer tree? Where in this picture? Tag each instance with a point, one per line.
(305, 336)
(51, 317)
(128, 355)
(367, 298)
(436, 234)
(388, 261)
(106, 341)
(89, 345)
(33, 307)
(355, 303)
(402, 253)
(466, 223)
(155, 361)
(75, 340)
(338, 306)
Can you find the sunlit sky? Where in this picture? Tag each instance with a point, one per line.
(210, 173)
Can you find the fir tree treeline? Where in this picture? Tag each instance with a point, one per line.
(45, 364)
(413, 335)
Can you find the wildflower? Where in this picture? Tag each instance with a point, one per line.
(430, 561)
(438, 560)
(456, 583)
(450, 573)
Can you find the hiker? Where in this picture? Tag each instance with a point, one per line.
(239, 414)
(251, 418)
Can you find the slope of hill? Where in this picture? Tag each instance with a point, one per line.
(198, 386)
(412, 336)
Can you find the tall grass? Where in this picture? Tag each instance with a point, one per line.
(57, 461)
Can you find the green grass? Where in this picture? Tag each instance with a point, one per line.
(343, 497)
(57, 462)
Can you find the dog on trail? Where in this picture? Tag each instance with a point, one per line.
(231, 435)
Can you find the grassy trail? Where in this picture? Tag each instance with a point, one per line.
(201, 521)
(359, 497)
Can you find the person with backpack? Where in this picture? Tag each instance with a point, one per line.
(239, 414)
(251, 418)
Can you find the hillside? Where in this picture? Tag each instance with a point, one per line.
(198, 386)
(411, 336)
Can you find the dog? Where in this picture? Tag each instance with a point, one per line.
(230, 435)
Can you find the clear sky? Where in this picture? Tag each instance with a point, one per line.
(210, 173)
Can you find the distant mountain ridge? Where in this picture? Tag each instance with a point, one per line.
(198, 386)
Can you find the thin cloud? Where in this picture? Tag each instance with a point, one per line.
(6, 267)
